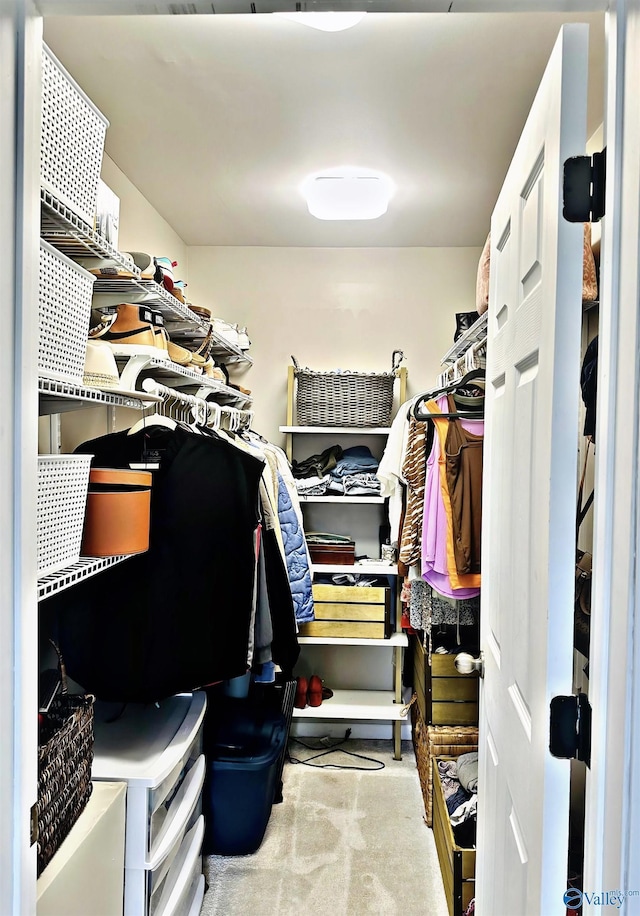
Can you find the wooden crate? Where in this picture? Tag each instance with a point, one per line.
(349, 611)
(458, 865)
(444, 696)
(431, 741)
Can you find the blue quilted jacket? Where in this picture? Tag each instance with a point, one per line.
(296, 555)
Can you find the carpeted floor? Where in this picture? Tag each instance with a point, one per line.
(342, 843)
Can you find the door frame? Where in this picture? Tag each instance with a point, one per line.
(612, 847)
(612, 835)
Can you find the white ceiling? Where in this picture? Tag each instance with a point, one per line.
(218, 119)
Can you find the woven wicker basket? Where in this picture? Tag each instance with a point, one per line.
(361, 399)
(431, 741)
(65, 755)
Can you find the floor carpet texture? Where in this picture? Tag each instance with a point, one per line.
(342, 843)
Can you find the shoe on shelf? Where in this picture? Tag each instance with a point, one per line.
(146, 263)
(166, 265)
(179, 287)
(243, 339)
(211, 370)
(201, 311)
(109, 269)
(314, 691)
(227, 331)
(301, 693)
(130, 331)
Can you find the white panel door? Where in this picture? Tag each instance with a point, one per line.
(533, 370)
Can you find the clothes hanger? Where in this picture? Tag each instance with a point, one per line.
(463, 382)
(155, 419)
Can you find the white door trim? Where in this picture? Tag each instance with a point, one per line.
(18, 481)
(612, 853)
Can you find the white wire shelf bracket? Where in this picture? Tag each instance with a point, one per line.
(64, 578)
(179, 318)
(476, 333)
(63, 229)
(58, 396)
(134, 368)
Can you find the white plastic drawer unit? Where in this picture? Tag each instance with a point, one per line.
(157, 751)
(161, 891)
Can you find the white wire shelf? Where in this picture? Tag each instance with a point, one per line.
(133, 368)
(372, 705)
(57, 396)
(350, 500)
(181, 321)
(473, 335)
(64, 578)
(339, 430)
(396, 640)
(372, 569)
(63, 229)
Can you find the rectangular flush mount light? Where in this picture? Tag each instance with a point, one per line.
(347, 193)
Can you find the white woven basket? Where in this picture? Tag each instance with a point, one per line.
(72, 144)
(63, 482)
(64, 314)
(360, 399)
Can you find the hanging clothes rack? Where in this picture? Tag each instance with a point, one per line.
(185, 407)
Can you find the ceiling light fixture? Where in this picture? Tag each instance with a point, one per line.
(347, 193)
(326, 22)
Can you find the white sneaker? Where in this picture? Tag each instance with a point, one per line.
(226, 330)
(243, 339)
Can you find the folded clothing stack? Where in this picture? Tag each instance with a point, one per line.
(459, 780)
(335, 472)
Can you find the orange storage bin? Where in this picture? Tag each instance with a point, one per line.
(118, 512)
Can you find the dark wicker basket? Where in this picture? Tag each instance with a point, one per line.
(65, 755)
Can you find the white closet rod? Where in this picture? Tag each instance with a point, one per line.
(206, 413)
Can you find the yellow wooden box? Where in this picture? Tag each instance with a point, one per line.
(444, 696)
(458, 865)
(349, 612)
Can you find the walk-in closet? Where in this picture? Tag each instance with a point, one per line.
(318, 341)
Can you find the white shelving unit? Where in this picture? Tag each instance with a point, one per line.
(352, 705)
(352, 500)
(355, 705)
(180, 320)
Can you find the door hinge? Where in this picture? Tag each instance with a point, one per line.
(570, 728)
(583, 188)
(33, 821)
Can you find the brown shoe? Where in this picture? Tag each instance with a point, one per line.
(130, 331)
(314, 693)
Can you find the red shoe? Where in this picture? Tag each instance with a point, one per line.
(301, 693)
(315, 690)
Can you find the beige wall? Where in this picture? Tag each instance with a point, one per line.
(330, 308)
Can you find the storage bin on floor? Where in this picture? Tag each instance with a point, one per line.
(243, 748)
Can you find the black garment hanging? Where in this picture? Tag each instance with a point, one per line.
(178, 617)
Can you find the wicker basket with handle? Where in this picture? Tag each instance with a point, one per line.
(345, 398)
(65, 755)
